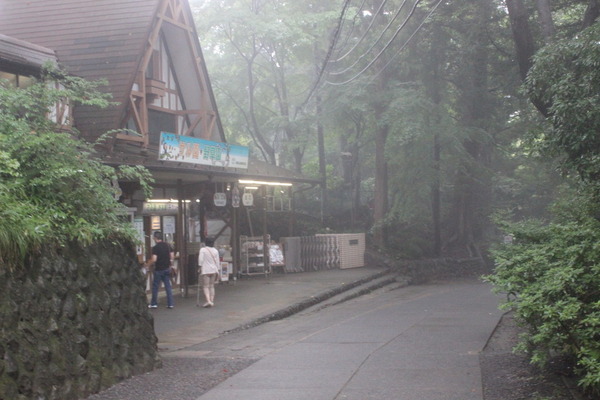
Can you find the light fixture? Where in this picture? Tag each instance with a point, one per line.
(166, 201)
(250, 187)
(252, 182)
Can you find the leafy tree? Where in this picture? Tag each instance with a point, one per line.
(347, 121)
(262, 57)
(551, 270)
(566, 76)
(53, 190)
(412, 138)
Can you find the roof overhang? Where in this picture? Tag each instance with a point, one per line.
(19, 53)
(170, 173)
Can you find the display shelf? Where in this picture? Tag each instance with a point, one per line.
(254, 256)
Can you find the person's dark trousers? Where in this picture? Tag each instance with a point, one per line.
(163, 276)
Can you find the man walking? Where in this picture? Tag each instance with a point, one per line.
(162, 257)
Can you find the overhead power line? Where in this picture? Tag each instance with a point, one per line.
(410, 37)
(364, 33)
(329, 52)
(401, 48)
(396, 15)
(351, 31)
(402, 25)
(335, 39)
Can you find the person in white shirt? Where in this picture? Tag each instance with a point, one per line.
(208, 259)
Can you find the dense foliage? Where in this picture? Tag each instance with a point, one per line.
(551, 272)
(395, 105)
(566, 76)
(551, 275)
(52, 188)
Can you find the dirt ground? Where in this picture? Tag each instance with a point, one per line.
(509, 376)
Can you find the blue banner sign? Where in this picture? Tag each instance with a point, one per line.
(199, 151)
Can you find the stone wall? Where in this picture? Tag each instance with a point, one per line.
(74, 324)
(421, 271)
(424, 270)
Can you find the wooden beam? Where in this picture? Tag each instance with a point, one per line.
(193, 125)
(130, 138)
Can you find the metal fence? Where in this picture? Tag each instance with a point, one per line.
(322, 252)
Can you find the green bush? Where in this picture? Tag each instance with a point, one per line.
(53, 189)
(551, 275)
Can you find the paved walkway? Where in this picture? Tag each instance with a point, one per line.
(244, 301)
(410, 344)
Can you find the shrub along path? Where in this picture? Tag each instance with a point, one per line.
(510, 376)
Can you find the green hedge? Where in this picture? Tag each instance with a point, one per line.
(551, 275)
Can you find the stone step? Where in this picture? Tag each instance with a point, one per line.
(336, 295)
(389, 281)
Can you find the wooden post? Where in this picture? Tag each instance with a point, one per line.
(264, 229)
(291, 212)
(235, 241)
(180, 238)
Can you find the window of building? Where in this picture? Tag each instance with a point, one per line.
(160, 122)
(17, 80)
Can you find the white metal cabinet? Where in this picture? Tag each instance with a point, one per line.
(254, 255)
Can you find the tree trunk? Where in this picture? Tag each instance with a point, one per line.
(519, 22)
(380, 200)
(436, 202)
(433, 122)
(546, 22)
(473, 184)
(356, 195)
(524, 44)
(591, 13)
(322, 162)
(266, 148)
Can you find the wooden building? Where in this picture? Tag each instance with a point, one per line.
(150, 55)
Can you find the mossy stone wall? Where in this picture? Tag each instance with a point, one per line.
(74, 324)
(424, 270)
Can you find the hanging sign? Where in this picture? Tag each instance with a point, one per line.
(220, 199)
(248, 199)
(138, 224)
(169, 224)
(235, 196)
(193, 150)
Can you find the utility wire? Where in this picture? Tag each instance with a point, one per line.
(396, 15)
(396, 54)
(349, 34)
(363, 35)
(410, 38)
(412, 11)
(329, 53)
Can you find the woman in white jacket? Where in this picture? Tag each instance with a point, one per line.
(208, 259)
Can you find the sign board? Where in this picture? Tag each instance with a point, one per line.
(193, 150)
(160, 208)
(226, 269)
(169, 224)
(248, 199)
(138, 224)
(235, 197)
(220, 199)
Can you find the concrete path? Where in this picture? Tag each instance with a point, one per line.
(244, 301)
(413, 343)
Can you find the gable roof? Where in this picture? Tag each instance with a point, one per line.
(95, 40)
